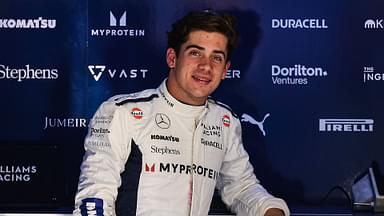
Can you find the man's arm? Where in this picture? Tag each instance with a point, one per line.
(238, 185)
(104, 159)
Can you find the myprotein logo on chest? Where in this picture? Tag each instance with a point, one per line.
(175, 168)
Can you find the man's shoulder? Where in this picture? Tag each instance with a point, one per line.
(136, 97)
(221, 107)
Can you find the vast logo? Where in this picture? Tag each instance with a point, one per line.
(118, 29)
(121, 73)
(247, 118)
(96, 71)
(38, 23)
(11, 173)
(346, 125)
(299, 23)
(27, 73)
(374, 24)
(296, 75)
(370, 75)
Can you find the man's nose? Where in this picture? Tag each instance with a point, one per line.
(204, 64)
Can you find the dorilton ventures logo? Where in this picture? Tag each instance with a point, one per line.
(374, 24)
(121, 73)
(27, 73)
(371, 75)
(296, 75)
(38, 23)
(117, 29)
(299, 23)
(346, 125)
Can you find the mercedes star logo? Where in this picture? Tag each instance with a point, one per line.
(162, 121)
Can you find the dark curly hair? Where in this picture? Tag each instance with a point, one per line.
(205, 20)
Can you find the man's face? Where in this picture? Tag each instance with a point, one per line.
(199, 67)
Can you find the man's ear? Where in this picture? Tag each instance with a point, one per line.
(226, 67)
(171, 58)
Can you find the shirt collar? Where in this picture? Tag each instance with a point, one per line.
(177, 105)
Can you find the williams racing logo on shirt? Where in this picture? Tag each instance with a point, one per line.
(212, 130)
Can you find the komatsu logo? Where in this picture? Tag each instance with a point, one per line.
(38, 23)
(346, 125)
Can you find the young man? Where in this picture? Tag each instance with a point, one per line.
(163, 151)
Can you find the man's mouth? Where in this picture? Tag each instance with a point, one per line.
(200, 79)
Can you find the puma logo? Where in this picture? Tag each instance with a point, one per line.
(247, 118)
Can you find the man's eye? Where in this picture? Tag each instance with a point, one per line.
(218, 59)
(195, 53)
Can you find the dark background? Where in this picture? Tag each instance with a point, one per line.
(294, 160)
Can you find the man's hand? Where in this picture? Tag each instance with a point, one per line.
(274, 212)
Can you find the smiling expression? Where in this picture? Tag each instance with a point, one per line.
(197, 70)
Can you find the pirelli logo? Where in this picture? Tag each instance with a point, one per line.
(346, 125)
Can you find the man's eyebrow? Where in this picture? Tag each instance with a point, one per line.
(202, 48)
(195, 46)
(220, 52)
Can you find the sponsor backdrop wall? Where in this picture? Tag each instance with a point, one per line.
(306, 81)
